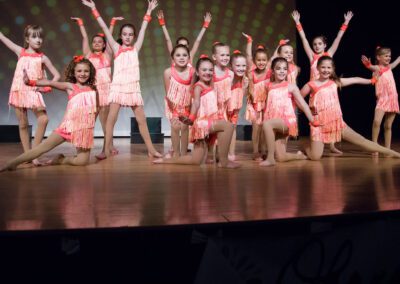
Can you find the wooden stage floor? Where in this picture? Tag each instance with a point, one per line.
(129, 191)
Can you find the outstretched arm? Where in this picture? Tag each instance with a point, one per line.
(249, 46)
(367, 63)
(206, 23)
(335, 44)
(305, 91)
(11, 45)
(64, 86)
(109, 50)
(147, 18)
(161, 20)
(114, 45)
(357, 80)
(306, 45)
(85, 40)
(395, 63)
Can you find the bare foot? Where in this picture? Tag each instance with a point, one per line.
(209, 161)
(101, 156)
(301, 155)
(158, 161)
(232, 158)
(230, 165)
(267, 163)
(375, 154)
(37, 163)
(56, 160)
(155, 154)
(335, 150)
(257, 157)
(114, 151)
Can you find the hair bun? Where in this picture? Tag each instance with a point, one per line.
(236, 51)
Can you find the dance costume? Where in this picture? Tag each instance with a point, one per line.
(314, 73)
(279, 105)
(77, 125)
(222, 87)
(179, 98)
(325, 106)
(22, 95)
(386, 93)
(293, 72)
(235, 103)
(102, 65)
(206, 114)
(255, 108)
(125, 87)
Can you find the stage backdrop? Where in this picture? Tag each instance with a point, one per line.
(266, 20)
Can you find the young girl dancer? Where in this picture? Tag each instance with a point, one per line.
(239, 89)
(324, 103)
(257, 95)
(177, 81)
(24, 97)
(280, 117)
(319, 45)
(77, 125)
(387, 103)
(125, 87)
(100, 55)
(183, 40)
(206, 123)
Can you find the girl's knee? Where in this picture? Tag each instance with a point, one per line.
(43, 120)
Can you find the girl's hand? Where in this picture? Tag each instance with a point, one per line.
(296, 16)
(186, 120)
(25, 77)
(249, 38)
(347, 17)
(207, 17)
(89, 3)
(118, 18)
(75, 19)
(160, 14)
(366, 61)
(152, 5)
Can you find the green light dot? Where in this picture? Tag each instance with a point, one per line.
(12, 64)
(280, 7)
(147, 51)
(256, 23)
(160, 50)
(51, 3)
(140, 5)
(265, 1)
(35, 10)
(235, 42)
(185, 23)
(231, 4)
(214, 9)
(225, 30)
(200, 6)
(223, 38)
(281, 36)
(110, 11)
(185, 31)
(170, 4)
(229, 13)
(227, 21)
(269, 30)
(243, 18)
(185, 4)
(240, 26)
(51, 35)
(5, 30)
(210, 36)
(245, 9)
(125, 7)
(149, 61)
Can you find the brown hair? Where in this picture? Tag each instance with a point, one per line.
(119, 40)
(70, 72)
(333, 76)
(274, 63)
(32, 29)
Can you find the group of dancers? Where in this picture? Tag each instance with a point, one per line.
(203, 99)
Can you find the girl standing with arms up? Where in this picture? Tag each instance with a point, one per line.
(387, 101)
(23, 97)
(178, 80)
(324, 103)
(183, 40)
(77, 125)
(206, 125)
(125, 87)
(319, 45)
(100, 55)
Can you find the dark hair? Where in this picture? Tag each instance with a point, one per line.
(32, 29)
(274, 63)
(70, 72)
(260, 49)
(180, 46)
(216, 45)
(198, 63)
(323, 38)
(103, 38)
(119, 40)
(181, 38)
(333, 76)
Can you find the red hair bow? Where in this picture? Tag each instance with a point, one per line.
(283, 42)
(78, 58)
(260, 46)
(204, 56)
(101, 34)
(236, 51)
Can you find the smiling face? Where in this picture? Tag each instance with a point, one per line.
(287, 53)
(98, 44)
(325, 69)
(222, 56)
(127, 36)
(261, 60)
(205, 71)
(82, 73)
(181, 57)
(280, 70)
(319, 45)
(239, 66)
(384, 58)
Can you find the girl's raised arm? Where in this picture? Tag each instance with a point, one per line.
(306, 45)
(335, 44)
(249, 55)
(11, 45)
(206, 23)
(161, 20)
(395, 63)
(367, 63)
(113, 44)
(85, 40)
(139, 42)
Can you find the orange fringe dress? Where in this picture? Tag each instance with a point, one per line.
(77, 125)
(314, 73)
(222, 87)
(206, 114)
(102, 65)
(386, 93)
(255, 108)
(325, 106)
(279, 105)
(179, 97)
(24, 96)
(235, 103)
(125, 86)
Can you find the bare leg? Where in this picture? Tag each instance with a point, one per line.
(42, 121)
(255, 138)
(51, 142)
(110, 123)
(224, 132)
(232, 147)
(81, 159)
(270, 127)
(315, 150)
(350, 135)
(283, 156)
(23, 124)
(376, 125)
(196, 158)
(103, 114)
(184, 139)
(175, 139)
(333, 149)
(144, 131)
(388, 128)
